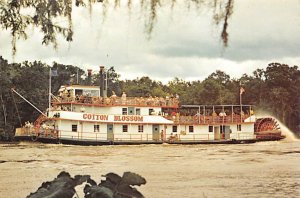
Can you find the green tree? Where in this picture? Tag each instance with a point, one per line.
(141, 87)
(283, 84)
(181, 88)
(31, 80)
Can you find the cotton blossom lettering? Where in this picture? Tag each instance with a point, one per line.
(89, 116)
(128, 118)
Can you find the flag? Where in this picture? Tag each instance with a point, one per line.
(54, 72)
(242, 90)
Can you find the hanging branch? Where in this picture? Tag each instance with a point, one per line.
(45, 15)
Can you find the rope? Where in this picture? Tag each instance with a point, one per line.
(16, 108)
(4, 110)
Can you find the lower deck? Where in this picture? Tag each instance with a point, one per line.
(126, 142)
(138, 133)
(96, 133)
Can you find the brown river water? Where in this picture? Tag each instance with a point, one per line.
(264, 169)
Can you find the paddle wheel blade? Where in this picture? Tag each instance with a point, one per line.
(267, 129)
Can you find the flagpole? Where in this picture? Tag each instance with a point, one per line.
(77, 76)
(241, 102)
(106, 82)
(241, 106)
(49, 91)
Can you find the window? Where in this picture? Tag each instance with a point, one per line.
(130, 110)
(191, 129)
(125, 128)
(78, 92)
(110, 128)
(138, 111)
(239, 127)
(210, 128)
(124, 111)
(96, 128)
(141, 128)
(150, 111)
(74, 127)
(174, 129)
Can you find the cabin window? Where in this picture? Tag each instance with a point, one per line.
(78, 92)
(125, 128)
(210, 128)
(130, 110)
(141, 128)
(151, 111)
(96, 128)
(124, 111)
(74, 127)
(174, 129)
(239, 127)
(138, 111)
(191, 129)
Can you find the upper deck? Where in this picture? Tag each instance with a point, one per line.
(73, 98)
(90, 95)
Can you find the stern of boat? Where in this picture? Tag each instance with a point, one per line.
(267, 129)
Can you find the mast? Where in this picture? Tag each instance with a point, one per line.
(77, 80)
(49, 107)
(105, 92)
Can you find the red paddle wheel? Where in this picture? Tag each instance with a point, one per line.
(267, 129)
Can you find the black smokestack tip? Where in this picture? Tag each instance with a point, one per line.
(89, 72)
(101, 67)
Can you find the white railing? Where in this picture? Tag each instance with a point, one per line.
(141, 137)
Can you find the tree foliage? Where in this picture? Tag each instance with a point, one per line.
(54, 17)
(31, 80)
(275, 89)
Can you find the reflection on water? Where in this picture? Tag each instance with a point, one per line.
(265, 169)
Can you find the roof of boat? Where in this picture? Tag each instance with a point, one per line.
(80, 86)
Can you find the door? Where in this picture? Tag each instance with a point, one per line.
(217, 132)
(110, 132)
(227, 132)
(155, 132)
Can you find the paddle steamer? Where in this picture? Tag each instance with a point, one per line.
(85, 115)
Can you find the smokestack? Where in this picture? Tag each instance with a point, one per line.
(89, 80)
(102, 84)
(89, 72)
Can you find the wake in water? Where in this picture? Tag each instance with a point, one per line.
(290, 136)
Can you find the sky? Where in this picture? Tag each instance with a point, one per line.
(185, 42)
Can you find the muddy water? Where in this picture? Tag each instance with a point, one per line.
(266, 169)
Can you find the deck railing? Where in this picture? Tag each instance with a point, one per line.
(201, 119)
(125, 137)
(37, 132)
(128, 101)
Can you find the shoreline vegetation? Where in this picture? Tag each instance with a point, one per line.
(275, 90)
